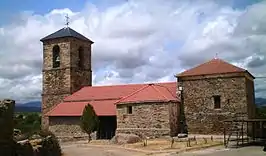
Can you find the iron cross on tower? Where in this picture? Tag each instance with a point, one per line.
(67, 20)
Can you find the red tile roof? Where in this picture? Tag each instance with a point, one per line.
(149, 92)
(214, 66)
(103, 98)
(102, 108)
(110, 92)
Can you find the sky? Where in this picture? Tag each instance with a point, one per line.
(136, 41)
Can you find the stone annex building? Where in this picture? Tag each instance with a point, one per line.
(200, 98)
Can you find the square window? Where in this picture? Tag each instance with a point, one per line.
(217, 102)
(129, 109)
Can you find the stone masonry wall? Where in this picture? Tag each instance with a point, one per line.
(147, 119)
(64, 44)
(201, 117)
(79, 79)
(65, 126)
(250, 98)
(174, 113)
(69, 77)
(56, 81)
(80, 76)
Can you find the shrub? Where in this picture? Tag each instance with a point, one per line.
(89, 121)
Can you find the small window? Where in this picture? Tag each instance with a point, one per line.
(81, 57)
(129, 109)
(56, 56)
(217, 102)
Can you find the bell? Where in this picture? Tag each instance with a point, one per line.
(57, 59)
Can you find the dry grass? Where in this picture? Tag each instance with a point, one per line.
(164, 144)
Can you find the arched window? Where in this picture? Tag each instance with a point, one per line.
(56, 56)
(81, 58)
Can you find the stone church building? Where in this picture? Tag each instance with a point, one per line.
(200, 98)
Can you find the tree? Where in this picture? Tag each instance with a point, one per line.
(261, 112)
(27, 122)
(89, 121)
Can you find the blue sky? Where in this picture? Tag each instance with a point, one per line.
(9, 9)
(12, 7)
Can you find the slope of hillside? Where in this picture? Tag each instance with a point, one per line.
(33, 106)
(260, 102)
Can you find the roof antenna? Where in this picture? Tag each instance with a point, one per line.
(67, 20)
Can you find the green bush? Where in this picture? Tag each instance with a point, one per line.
(27, 123)
(261, 112)
(89, 120)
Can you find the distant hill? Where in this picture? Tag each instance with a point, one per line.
(260, 101)
(33, 106)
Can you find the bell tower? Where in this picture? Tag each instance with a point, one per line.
(66, 67)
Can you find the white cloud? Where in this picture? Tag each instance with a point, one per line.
(137, 41)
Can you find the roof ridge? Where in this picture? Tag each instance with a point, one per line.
(133, 93)
(232, 64)
(166, 89)
(213, 66)
(153, 86)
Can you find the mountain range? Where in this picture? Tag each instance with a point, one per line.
(35, 106)
(260, 102)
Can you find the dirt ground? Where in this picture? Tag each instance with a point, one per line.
(244, 151)
(78, 150)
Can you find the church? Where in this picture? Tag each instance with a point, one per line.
(199, 99)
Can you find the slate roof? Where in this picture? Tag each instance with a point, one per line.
(104, 98)
(214, 66)
(65, 32)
